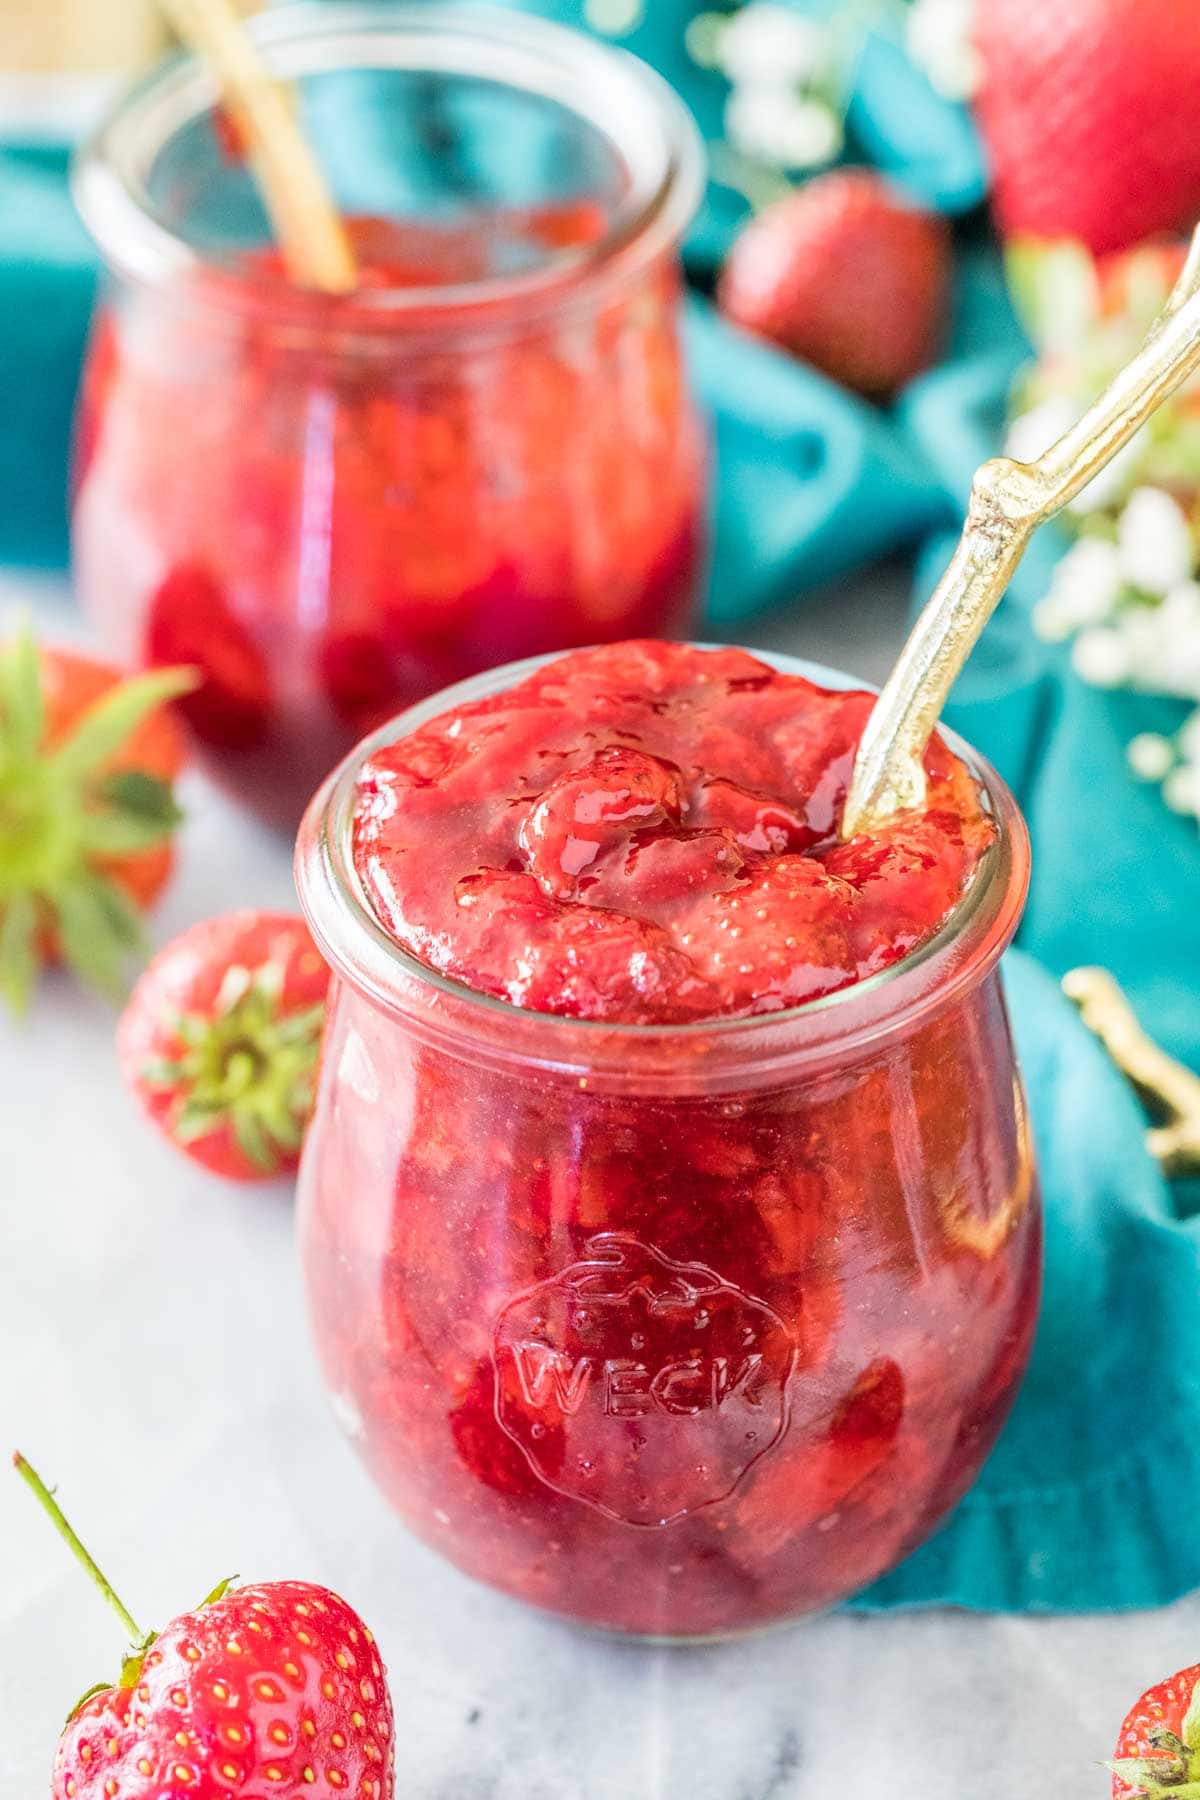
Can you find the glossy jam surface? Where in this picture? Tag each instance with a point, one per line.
(648, 834)
(334, 510)
(677, 1345)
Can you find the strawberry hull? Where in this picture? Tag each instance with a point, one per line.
(686, 1329)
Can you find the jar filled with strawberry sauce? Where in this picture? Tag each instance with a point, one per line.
(334, 506)
(669, 1217)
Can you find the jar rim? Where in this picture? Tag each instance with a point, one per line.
(363, 953)
(620, 97)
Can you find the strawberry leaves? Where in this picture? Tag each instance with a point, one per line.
(1189, 1731)
(99, 931)
(68, 819)
(138, 812)
(249, 1066)
(22, 707)
(105, 726)
(1156, 1775)
(18, 951)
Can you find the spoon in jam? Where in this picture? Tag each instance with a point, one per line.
(311, 234)
(1009, 500)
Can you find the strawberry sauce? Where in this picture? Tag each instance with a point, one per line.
(334, 507)
(648, 834)
(686, 1331)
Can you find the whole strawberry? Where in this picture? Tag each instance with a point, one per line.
(221, 1037)
(847, 275)
(1087, 108)
(275, 1689)
(87, 762)
(1158, 1751)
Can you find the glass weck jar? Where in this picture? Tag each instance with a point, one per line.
(334, 506)
(677, 1330)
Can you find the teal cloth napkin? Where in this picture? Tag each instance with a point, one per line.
(1079, 1507)
(47, 286)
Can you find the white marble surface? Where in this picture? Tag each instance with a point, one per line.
(154, 1361)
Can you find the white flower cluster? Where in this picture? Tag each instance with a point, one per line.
(775, 114)
(1132, 606)
(616, 18)
(940, 41)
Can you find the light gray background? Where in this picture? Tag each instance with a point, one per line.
(154, 1362)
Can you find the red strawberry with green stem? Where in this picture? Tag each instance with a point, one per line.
(87, 759)
(273, 1689)
(1087, 110)
(221, 1038)
(846, 274)
(1158, 1750)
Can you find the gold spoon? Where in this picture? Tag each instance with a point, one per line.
(1009, 500)
(1169, 1088)
(311, 233)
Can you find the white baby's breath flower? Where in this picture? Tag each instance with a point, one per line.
(1189, 738)
(1180, 611)
(1101, 656)
(1181, 789)
(768, 45)
(1164, 643)
(614, 17)
(940, 42)
(778, 126)
(1050, 622)
(1084, 591)
(1184, 671)
(1154, 541)
(1151, 756)
(1141, 627)
(1034, 431)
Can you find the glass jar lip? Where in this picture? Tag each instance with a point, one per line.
(964, 949)
(626, 101)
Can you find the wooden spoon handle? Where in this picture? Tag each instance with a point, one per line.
(310, 232)
(1009, 500)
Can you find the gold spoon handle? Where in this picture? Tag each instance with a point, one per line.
(1009, 500)
(311, 234)
(1170, 1088)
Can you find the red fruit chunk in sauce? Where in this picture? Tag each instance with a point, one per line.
(592, 809)
(647, 834)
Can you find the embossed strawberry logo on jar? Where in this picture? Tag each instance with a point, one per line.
(657, 1383)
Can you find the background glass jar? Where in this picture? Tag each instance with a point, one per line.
(336, 506)
(679, 1331)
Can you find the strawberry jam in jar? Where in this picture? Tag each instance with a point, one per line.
(669, 1216)
(333, 506)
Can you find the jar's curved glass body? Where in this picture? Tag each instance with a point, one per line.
(334, 507)
(679, 1332)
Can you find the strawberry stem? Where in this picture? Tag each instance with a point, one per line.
(57, 1517)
